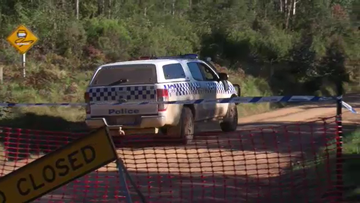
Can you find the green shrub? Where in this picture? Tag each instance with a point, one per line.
(110, 36)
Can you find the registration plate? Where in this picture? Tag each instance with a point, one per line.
(128, 120)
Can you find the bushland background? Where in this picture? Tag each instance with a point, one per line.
(270, 47)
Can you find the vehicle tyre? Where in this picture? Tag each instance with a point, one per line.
(229, 124)
(184, 129)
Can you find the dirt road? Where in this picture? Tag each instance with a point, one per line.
(250, 165)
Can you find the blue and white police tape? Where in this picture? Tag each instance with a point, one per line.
(348, 107)
(273, 99)
(240, 100)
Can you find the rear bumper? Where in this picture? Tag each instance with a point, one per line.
(155, 121)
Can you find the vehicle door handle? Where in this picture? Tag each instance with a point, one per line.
(197, 86)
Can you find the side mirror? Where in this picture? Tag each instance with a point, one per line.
(223, 76)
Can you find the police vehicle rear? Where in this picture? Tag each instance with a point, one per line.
(159, 79)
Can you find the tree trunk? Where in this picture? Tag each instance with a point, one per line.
(77, 9)
(173, 7)
(108, 8)
(63, 4)
(100, 7)
(289, 12)
(294, 7)
(164, 7)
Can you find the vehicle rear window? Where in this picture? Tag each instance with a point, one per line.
(130, 74)
(173, 71)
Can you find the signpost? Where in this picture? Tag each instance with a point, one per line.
(58, 168)
(22, 39)
(1, 74)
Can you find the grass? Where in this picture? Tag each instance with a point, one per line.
(250, 86)
(45, 83)
(318, 170)
(52, 79)
(352, 165)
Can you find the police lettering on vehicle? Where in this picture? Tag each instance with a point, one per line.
(123, 111)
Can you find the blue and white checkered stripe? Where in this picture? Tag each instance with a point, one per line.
(103, 94)
(182, 89)
(188, 88)
(220, 88)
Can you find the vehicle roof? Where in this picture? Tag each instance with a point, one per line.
(151, 61)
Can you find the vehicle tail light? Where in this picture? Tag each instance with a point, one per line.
(87, 101)
(162, 95)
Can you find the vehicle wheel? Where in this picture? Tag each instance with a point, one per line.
(184, 129)
(229, 124)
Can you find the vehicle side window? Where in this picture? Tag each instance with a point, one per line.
(195, 71)
(173, 71)
(207, 72)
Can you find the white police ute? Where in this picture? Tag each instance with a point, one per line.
(155, 80)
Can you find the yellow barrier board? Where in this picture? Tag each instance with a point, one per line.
(55, 169)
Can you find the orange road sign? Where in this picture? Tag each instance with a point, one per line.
(22, 39)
